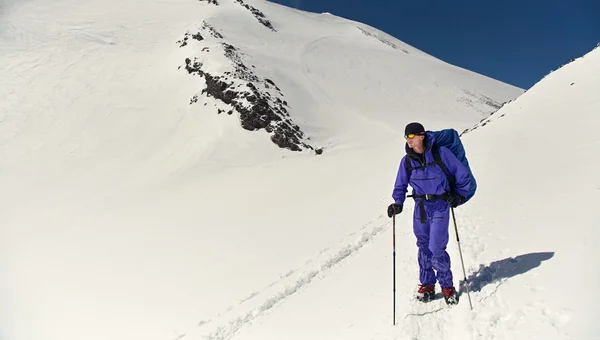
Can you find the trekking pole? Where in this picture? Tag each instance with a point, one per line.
(394, 242)
(461, 259)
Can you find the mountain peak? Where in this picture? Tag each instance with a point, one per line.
(314, 77)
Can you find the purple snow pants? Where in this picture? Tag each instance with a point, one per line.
(432, 239)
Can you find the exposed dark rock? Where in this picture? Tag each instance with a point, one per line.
(186, 37)
(211, 30)
(241, 70)
(260, 114)
(214, 2)
(217, 89)
(182, 42)
(286, 139)
(193, 68)
(258, 108)
(257, 14)
(197, 36)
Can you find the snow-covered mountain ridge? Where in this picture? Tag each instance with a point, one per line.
(260, 103)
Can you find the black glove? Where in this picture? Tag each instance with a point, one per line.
(394, 209)
(455, 200)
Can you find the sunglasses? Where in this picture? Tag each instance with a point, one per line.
(413, 135)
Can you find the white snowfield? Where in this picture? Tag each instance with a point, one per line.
(128, 212)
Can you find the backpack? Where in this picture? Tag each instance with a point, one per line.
(450, 139)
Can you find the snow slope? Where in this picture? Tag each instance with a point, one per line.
(130, 211)
(527, 238)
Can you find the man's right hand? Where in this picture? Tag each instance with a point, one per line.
(394, 209)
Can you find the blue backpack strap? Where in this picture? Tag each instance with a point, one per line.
(438, 160)
(408, 164)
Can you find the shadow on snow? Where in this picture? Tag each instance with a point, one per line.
(504, 269)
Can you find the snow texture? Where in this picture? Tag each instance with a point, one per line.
(149, 187)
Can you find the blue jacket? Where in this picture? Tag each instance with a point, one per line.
(430, 179)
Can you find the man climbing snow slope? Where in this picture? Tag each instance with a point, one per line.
(433, 198)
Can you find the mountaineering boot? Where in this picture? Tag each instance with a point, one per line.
(426, 293)
(450, 295)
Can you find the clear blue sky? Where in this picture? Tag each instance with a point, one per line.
(515, 41)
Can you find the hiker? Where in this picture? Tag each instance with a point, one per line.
(433, 195)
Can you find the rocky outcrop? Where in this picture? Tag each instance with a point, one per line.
(257, 14)
(187, 35)
(212, 31)
(259, 101)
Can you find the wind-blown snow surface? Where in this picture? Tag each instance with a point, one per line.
(128, 211)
